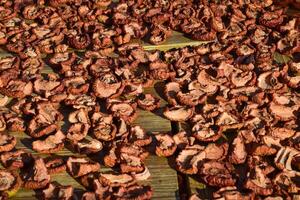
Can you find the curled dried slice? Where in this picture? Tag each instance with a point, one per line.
(35, 175)
(182, 140)
(259, 183)
(116, 180)
(111, 159)
(87, 146)
(134, 150)
(131, 163)
(57, 191)
(3, 125)
(206, 134)
(268, 80)
(64, 59)
(271, 19)
(14, 159)
(80, 41)
(79, 116)
(204, 35)
(287, 181)
(142, 176)
(78, 131)
(262, 150)
(232, 192)
(47, 87)
(31, 12)
(170, 91)
(103, 127)
(76, 85)
(139, 137)
(132, 158)
(159, 34)
(282, 133)
(15, 124)
(80, 101)
(124, 110)
(108, 86)
(3, 100)
(238, 152)
(17, 89)
(134, 192)
(37, 130)
(7, 142)
(178, 113)
(184, 159)
(284, 113)
(51, 144)
(228, 121)
(166, 146)
(10, 181)
(55, 165)
(284, 157)
(81, 166)
(217, 174)
(148, 102)
(192, 98)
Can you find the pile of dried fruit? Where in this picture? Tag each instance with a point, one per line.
(241, 107)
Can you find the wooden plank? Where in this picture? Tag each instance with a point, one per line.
(177, 40)
(164, 184)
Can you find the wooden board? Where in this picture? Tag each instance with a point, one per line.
(163, 177)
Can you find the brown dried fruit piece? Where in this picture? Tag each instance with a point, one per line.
(14, 159)
(126, 111)
(139, 137)
(238, 153)
(76, 85)
(148, 102)
(87, 146)
(56, 191)
(206, 134)
(134, 192)
(271, 19)
(232, 192)
(284, 113)
(78, 131)
(285, 156)
(179, 113)
(159, 34)
(79, 116)
(48, 86)
(116, 180)
(17, 89)
(131, 158)
(217, 174)
(7, 142)
(55, 164)
(35, 175)
(166, 146)
(51, 144)
(184, 161)
(10, 181)
(108, 86)
(259, 183)
(81, 166)
(103, 127)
